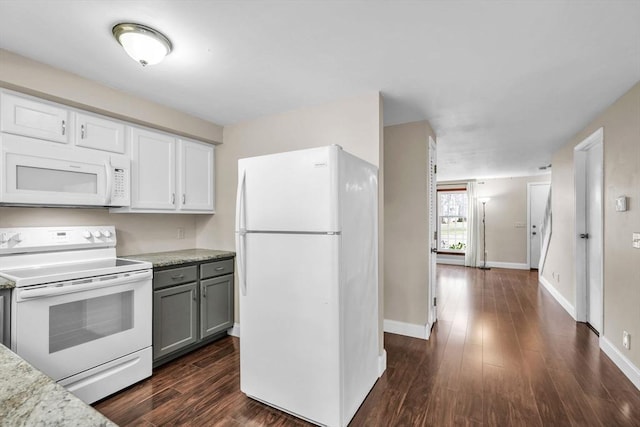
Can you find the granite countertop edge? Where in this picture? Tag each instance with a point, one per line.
(29, 397)
(184, 256)
(6, 283)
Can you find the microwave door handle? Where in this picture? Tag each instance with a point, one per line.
(61, 290)
(109, 171)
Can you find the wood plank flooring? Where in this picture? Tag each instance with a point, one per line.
(503, 353)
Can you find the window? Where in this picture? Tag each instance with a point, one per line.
(452, 220)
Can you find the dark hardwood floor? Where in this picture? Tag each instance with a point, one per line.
(503, 353)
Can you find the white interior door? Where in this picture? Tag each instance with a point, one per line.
(538, 194)
(433, 218)
(593, 219)
(588, 158)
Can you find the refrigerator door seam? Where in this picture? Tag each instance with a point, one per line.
(330, 233)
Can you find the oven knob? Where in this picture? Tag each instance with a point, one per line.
(3, 238)
(86, 235)
(16, 237)
(106, 233)
(97, 234)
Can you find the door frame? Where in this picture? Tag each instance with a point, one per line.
(433, 227)
(529, 185)
(593, 141)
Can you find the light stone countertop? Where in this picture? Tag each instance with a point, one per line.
(6, 283)
(165, 259)
(30, 398)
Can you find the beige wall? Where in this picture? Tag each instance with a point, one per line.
(35, 78)
(621, 123)
(352, 123)
(506, 243)
(406, 227)
(559, 267)
(136, 232)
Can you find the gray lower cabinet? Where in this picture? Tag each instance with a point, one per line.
(5, 317)
(192, 305)
(175, 318)
(216, 305)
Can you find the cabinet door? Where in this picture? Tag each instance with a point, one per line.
(196, 176)
(153, 173)
(216, 305)
(175, 318)
(41, 120)
(99, 133)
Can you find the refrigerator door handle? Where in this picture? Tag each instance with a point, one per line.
(240, 234)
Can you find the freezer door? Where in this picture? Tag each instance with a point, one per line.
(289, 317)
(293, 191)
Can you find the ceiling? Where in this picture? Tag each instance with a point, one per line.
(503, 84)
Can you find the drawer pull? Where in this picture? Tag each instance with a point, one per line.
(219, 268)
(181, 276)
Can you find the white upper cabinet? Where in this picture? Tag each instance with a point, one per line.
(170, 174)
(195, 165)
(28, 117)
(99, 133)
(153, 183)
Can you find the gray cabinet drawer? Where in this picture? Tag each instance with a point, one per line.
(175, 276)
(217, 268)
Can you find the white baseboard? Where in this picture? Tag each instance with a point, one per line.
(234, 331)
(382, 363)
(510, 265)
(629, 369)
(558, 297)
(407, 329)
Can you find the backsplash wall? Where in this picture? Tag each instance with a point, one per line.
(136, 233)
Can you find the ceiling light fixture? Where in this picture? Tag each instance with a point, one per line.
(144, 44)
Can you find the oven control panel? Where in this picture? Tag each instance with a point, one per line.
(38, 239)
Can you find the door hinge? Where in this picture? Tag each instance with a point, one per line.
(435, 301)
(435, 235)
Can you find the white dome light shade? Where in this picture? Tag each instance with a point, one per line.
(144, 44)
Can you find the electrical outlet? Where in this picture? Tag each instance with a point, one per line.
(180, 233)
(626, 340)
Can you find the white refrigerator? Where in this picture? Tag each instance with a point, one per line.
(307, 253)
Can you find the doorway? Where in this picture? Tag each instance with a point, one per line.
(433, 238)
(537, 194)
(588, 167)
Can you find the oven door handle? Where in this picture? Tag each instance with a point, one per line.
(48, 291)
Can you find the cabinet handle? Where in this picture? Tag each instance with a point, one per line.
(173, 198)
(219, 268)
(181, 276)
(204, 292)
(82, 132)
(64, 127)
(184, 199)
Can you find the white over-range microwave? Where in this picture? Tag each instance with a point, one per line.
(49, 174)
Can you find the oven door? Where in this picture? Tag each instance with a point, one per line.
(69, 327)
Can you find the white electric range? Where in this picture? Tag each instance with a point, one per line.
(79, 314)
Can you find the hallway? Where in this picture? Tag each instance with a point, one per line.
(502, 353)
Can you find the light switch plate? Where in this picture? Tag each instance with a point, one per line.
(636, 240)
(621, 204)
